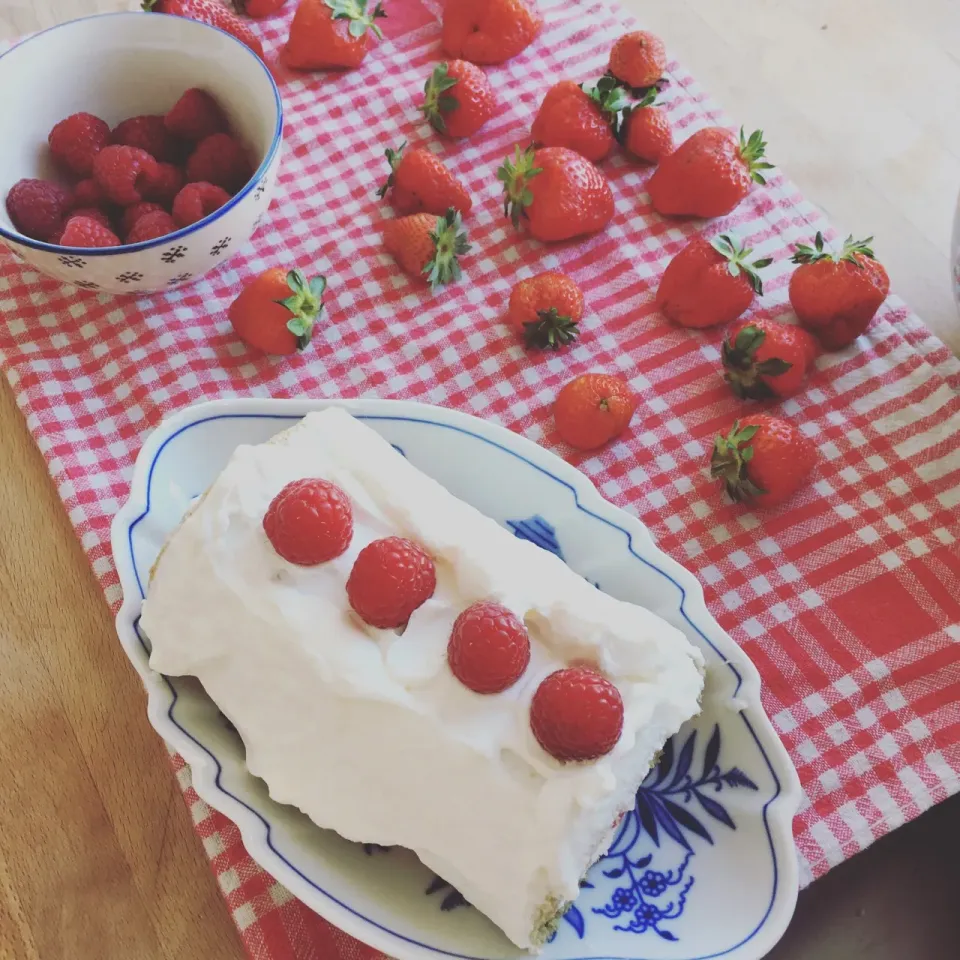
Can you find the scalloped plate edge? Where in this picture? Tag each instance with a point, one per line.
(254, 831)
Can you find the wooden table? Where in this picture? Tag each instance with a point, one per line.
(859, 100)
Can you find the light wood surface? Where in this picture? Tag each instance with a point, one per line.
(860, 101)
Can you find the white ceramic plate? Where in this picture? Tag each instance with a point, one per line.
(705, 865)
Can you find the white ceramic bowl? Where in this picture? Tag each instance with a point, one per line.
(122, 65)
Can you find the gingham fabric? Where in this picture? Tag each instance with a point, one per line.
(847, 599)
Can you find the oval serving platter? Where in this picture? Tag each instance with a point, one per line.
(703, 867)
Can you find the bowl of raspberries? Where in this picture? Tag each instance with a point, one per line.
(150, 165)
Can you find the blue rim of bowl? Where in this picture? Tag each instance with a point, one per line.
(786, 787)
(268, 159)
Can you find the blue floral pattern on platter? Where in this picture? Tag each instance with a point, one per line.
(745, 883)
(669, 816)
(665, 823)
(538, 531)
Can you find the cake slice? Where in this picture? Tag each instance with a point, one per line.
(407, 672)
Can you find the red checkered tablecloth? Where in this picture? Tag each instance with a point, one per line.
(847, 599)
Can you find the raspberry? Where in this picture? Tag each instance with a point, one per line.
(309, 522)
(37, 207)
(86, 232)
(122, 171)
(221, 160)
(88, 193)
(92, 213)
(196, 201)
(76, 141)
(132, 214)
(389, 580)
(576, 714)
(150, 226)
(147, 132)
(195, 115)
(163, 185)
(489, 648)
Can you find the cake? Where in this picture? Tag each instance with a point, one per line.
(408, 673)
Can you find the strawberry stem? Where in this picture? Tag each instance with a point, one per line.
(515, 177)
(612, 99)
(438, 101)
(743, 371)
(305, 303)
(731, 455)
(641, 93)
(393, 158)
(550, 330)
(731, 248)
(449, 242)
(752, 150)
(356, 12)
(851, 251)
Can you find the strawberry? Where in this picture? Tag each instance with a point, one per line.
(576, 715)
(592, 409)
(709, 282)
(489, 648)
(764, 358)
(459, 99)
(546, 310)
(194, 116)
(422, 184)
(489, 31)
(258, 9)
(762, 459)
(638, 59)
(331, 34)
(428, 246)
(277, 310)
(390, 579)
(709, 174)
(309, 521)
(76, 140)
(645, 130)
(836, 297)
(557, 192)
(581, 119)
(211, 12)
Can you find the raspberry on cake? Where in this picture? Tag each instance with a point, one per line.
(309, 521)
(438, 684)
(390, 579)
(489, 647)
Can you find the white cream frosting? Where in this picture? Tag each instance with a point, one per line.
(367, 731)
